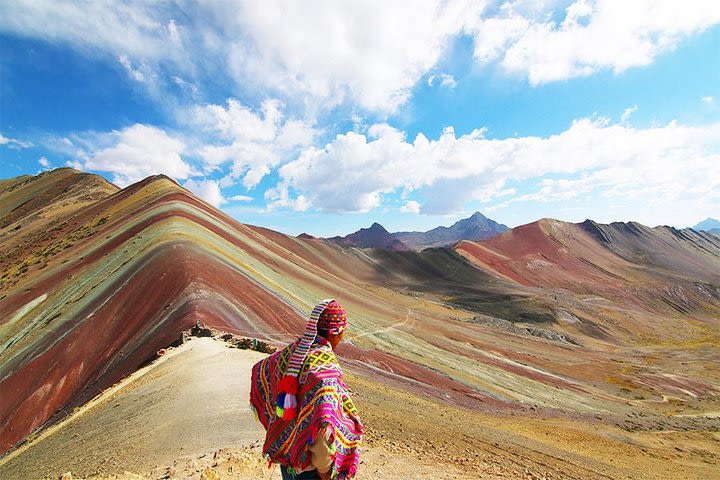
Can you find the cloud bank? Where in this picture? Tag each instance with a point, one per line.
(354, 172)
(319, 54)
(131, 154)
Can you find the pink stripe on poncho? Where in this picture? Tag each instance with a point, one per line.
(323, 399)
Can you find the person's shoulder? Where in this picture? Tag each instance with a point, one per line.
(321, 353)
(320, 357)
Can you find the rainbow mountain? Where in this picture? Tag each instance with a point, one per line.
(579, 319)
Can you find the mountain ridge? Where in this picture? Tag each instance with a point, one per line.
(100, 280)
(375, 236)
(475, 227)
(128, 271)
(658, 268)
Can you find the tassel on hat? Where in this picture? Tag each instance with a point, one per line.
(288, 388)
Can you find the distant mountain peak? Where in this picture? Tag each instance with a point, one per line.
(707, 225)
(476, 227)
(375, 236)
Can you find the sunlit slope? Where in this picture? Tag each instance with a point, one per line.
(116, 278)
(693, 255)
(32, 211)
(150, 261)
(660, 269)
(145, 420)
(122, 277)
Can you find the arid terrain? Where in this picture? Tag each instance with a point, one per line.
(554, 350)
(186, 415)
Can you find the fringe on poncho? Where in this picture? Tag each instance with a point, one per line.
(323, 400)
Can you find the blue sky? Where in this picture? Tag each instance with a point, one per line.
(324, 118)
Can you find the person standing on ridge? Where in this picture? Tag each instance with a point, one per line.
(299, 396)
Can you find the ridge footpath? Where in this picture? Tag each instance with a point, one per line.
(202, 387)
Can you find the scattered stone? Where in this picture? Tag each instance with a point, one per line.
(209, 474)
(199, 331)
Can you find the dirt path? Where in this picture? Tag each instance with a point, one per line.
(193, 400)
(186, 416)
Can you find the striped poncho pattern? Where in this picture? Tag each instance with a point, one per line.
(323, 399)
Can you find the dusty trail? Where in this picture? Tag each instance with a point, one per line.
(186, 416)
(193, 400)
(186, 412)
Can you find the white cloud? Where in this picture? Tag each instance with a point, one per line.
(135, 74)
(43, 161)
(354, 172)
(134, 153)
(280, 198)
(173, 31)
(375, 51)
(494, 35)
(134, 28)
(410, 207)
(594, 35)
(238, 122)
(252, 142)
(185, 85)
(320, 52)
(444, 79)
(14, 142)
(707, 100)
(627, 113)
(208, 190)
(240, 198)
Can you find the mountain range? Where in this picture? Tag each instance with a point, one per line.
(475, 227)
(610, 260)
(568, 324)
(374, 237)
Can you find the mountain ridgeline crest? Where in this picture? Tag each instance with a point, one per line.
(473, 228)
(96, 280)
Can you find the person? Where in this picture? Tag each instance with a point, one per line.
(312, 427)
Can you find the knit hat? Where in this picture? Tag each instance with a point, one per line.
(328, 315)
(333, 318)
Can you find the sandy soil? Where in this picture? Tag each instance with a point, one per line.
(186, 416)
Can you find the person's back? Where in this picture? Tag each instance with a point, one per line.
(298, 393)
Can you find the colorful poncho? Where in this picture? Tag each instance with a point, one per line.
(323, 399)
